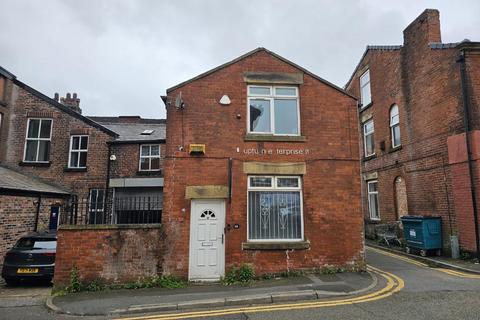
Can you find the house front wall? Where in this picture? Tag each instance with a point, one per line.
(23, 105)
(325, 157)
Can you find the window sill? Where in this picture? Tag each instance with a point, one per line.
(149, 173)
(299, 245)
(395, 149)
(34, 164)
(362, 108)
(75, 169)
(273, 138)
(365, 159)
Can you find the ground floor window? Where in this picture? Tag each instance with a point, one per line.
(372, 187)
(275, 209)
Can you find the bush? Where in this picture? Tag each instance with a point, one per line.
(165, 281)
(239, 275)
(75, 283)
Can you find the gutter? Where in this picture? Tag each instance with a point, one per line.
(466, 124)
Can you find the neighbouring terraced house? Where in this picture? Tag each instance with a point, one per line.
(58, 166)
(419, 108)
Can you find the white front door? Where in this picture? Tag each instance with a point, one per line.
(207, 243)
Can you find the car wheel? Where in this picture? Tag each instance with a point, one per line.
(12, 281)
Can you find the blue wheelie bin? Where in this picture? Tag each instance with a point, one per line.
(423, 234)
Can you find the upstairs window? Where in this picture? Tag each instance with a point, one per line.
(273, 110)
(365, 95)
(78, 152)
(37, 144)
(395, 126)
(275, 211)
(368, 139)
(150, 157)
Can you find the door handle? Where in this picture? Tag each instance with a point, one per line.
(222, 237)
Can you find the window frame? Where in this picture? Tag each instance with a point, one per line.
(37, 139)
(78, 151)
(275, 188)
(394, 125)
(364, 85)
(150, 157)
(365, 137)
(271, 97)
(377, 218)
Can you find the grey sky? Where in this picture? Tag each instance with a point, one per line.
(120, 56)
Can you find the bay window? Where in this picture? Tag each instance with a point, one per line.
(273, 110)
(275, 208)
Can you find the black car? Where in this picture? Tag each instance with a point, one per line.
(32, 257)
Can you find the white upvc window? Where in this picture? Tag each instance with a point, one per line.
(78, 151)
(365, 94)
(149, 157)
(38, 139)
(275, 208)
(273, 110)
(395, 126)
(372, 191)
(368, 138)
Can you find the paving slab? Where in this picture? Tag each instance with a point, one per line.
(120, 302)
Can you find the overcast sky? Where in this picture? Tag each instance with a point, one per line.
(120, 56)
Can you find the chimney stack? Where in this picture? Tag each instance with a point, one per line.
(70, 101)
(425, 29)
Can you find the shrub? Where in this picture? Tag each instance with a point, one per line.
(239, 275)
(75, 283)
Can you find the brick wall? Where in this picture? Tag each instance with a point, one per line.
(22, 105)
(111, 254)
(17, 218)
(128, 158)
(332, 217)
(425, 84)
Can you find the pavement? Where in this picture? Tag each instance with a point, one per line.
(441, 261)
(308, 287)
(404, 288)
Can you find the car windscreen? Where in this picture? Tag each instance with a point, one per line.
(36, 243)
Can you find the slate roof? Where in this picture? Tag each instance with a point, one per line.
(129, 129)
(11, 180)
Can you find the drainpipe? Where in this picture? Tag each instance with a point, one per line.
(466, 125)
(107, 183)
(37, 215)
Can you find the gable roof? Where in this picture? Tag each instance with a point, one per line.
(248, 54)
(370, 48)
(14, 181)
(55, 103)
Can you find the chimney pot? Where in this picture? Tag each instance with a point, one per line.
(56, 96)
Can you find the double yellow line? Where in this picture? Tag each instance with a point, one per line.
(394, 284)
(421, 264)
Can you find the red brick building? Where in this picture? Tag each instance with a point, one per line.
(417, 101)
(261, 167)
(60, 167)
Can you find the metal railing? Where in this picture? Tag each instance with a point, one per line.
(108, 210)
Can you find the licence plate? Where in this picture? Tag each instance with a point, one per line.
(27, 270)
